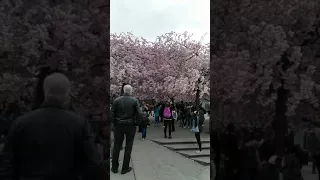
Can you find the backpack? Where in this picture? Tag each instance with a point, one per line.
(166, 112)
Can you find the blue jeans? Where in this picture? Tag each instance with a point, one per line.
(156, 120)
(144, 132)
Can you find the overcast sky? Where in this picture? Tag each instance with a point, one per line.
(151, 18)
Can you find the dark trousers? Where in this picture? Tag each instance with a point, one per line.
(189, 121)
(167, 125)
(173, 128)
(120, 131)
(197, 135)
(144, 132)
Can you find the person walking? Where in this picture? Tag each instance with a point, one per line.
(161, 112)
(188, 113)
(142, 109)
(173, 109)
(156, 115)
(291, 169)
(198, 119)
(51, 142)
(126, 115)
(167, 118)
(144, 124)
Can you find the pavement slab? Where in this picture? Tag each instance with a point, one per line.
(180, 140)
(192, 153)
(307, 173)
(155, 162)
(187, 146)
(119, 176)
(202, 159)
(152, 161)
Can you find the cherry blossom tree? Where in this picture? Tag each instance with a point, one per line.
(65, 36)
(168, 68)
(265, 55)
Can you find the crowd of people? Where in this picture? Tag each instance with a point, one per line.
(250, 153)
(186, 114)
(127, 114)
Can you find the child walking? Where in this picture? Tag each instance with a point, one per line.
(144, 124)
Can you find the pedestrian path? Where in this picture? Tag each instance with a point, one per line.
(154, 161)
(119, 176)
(187, 147)
(307, 173)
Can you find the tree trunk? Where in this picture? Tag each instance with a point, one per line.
(197, 99)
(280, 121)
(221, 111)
(122, 92)
(39, 97)
(198, 95)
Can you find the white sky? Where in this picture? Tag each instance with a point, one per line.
(151, 18)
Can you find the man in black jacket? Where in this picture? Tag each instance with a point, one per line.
(51, 142)
(126, 114)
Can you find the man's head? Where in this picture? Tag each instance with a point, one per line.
(127, 90)
(57, 87)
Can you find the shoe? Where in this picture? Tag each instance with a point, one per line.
(170, 137)
(184, 127)
(165, 136)
(126, 171)
(143, 139)
(198, 152)
(115, 171)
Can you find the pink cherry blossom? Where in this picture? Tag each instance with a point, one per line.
(166, 68)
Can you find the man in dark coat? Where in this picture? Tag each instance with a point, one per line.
(51, 142)
(126, 113)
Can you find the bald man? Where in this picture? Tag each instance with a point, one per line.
(51, 143)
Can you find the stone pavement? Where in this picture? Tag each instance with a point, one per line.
(119, 176)
(307, 173)
(152, 161)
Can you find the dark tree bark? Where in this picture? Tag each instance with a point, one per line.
(39, 97)
(122, 92)
(280, 123)
(198, 95)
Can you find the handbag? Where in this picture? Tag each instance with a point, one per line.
(195, 129)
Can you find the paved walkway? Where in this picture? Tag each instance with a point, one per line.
(307, 173)
(151, 161)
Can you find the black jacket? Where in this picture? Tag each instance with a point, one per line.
(126, 110)
(201, 119)
(161, 110)
(50, 143)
